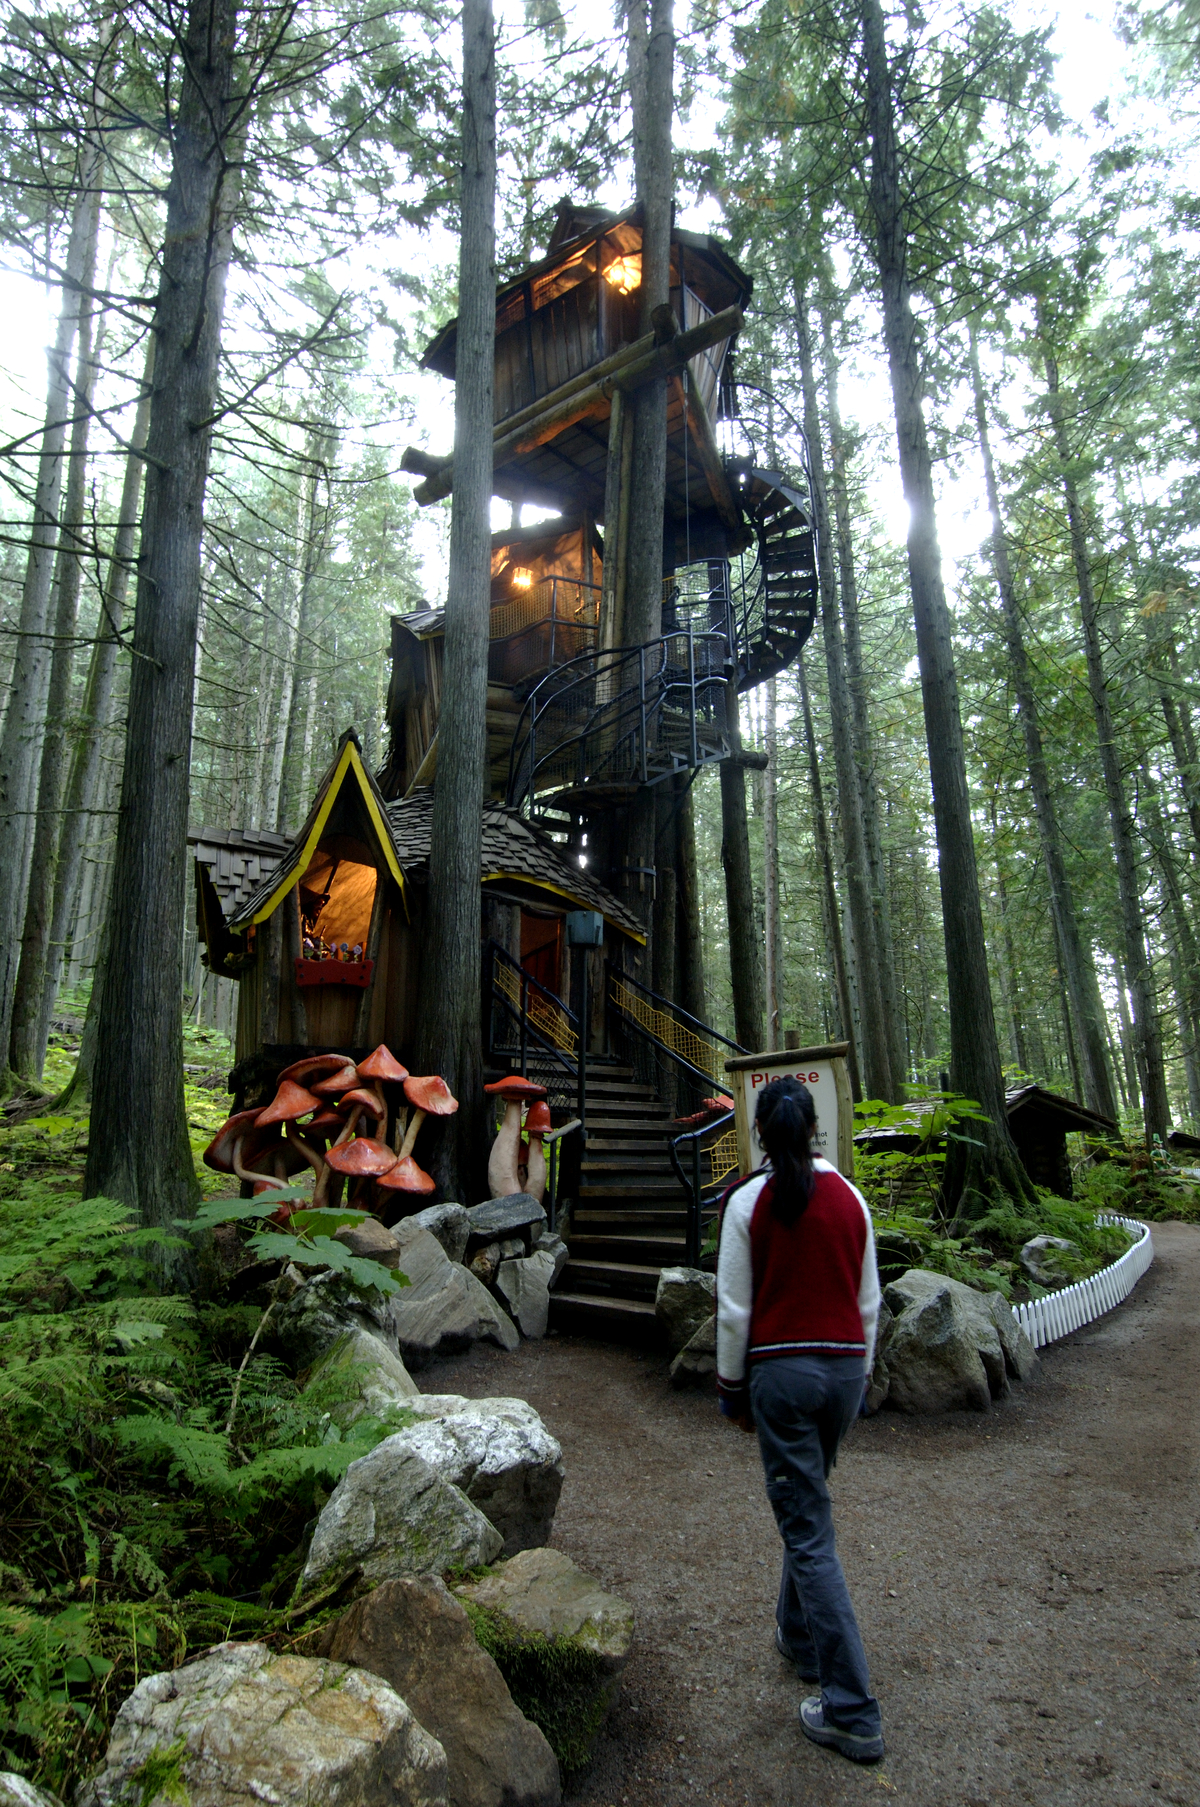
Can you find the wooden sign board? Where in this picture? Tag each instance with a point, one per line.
(825, 1073)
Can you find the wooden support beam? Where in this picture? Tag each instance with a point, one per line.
(585, 397)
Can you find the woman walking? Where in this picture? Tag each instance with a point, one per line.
(797, 1307)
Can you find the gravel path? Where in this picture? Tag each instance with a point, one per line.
(1025, 1580)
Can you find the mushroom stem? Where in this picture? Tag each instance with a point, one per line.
(243, 1173)
(401, 1126)
(502, 1161)
(410, 1134)
(316, 1161)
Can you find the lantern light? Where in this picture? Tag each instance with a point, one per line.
(522, 578)
(625, 273)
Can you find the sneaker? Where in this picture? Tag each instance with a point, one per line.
(806, 1670)
(814, 1725)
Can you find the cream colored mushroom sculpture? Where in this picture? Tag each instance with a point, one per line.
(504, 1159)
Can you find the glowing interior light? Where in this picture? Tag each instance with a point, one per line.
(625, 273)
(522, 579)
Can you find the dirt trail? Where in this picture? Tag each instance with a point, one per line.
(1026, 1580)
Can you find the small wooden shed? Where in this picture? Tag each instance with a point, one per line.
(1040, 1122)
(325, 930)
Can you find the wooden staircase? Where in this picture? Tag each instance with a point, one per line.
(629, 1220)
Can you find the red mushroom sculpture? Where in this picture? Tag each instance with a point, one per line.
(290, 1102)
(237, 1143)
(537, 1125)
(429, 1097)
(404, 1187)
(504, 1158)
(377, 1069)
(361, 1160)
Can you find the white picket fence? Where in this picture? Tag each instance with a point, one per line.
(1059, 1313)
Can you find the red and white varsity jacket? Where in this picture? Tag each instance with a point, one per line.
(810, 1289)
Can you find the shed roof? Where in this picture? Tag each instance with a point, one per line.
(512, 849)
(1052, 1108)
(238, 860)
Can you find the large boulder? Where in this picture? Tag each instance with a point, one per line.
(445, 1309)
(933, 1361)
(697, 1360)
(243, 1725)
(359, 1377)
(18, 1791)
(393, 1514)
(685, 1297)
(1042, 1260)
(560, 1642)
(324, 1310)
(990, 1314)
(500, 1454)
(551, 1243)
(417, 1636)
(371, 1240)
(518, 1213)
(449, 1223)
(879, 1380)
(525, 1285)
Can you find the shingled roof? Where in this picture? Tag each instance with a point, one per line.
(238, 861)
(512, 849)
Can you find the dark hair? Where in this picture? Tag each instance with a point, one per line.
(785, 1117)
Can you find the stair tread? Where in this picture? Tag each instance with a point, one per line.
(635, 1307)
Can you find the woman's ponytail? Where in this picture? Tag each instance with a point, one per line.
(785, 1118)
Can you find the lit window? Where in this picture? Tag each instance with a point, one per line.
(625, 273)
(522, 578)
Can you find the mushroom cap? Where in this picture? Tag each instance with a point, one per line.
(363, 1100)
(219, 1153)
(362, 1156)
(290, 1101)
(406, 1176)
(333, 1083)
(537, 1118)
(312, 1064)
(326, 1120)
(514, 1086)
(381, 1065)
(432, 1095)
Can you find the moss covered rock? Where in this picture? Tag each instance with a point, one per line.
(559, 1641)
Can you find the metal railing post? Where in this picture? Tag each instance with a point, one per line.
(692, 696)
(694, 1226)
(524, 1025)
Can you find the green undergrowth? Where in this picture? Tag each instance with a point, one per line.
(562, 1687)
(903, 1189)
(136, 1526)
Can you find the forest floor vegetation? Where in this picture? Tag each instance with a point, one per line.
(154, 1500)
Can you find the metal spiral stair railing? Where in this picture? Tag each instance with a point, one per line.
(775, 605)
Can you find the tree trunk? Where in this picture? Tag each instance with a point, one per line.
(25, 716)
(828, 889)
(1079, 971)
(745, 966)
(772, 924)
(977, 1172)
(650, 40)
(1185, 954)
(692, 991)
(864, 749)
(138, 1146)
(27, 1050)
(873, 1052)
(450, 1039)
(83, 784)
(1147, 1038)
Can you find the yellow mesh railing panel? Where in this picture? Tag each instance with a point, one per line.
(545, 1017)
(723, 1156)
(577, 604)
(704, 1055)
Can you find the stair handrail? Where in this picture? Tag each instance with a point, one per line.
(689, 1177)
(647, 1012)
(496, 956)
(623, 710)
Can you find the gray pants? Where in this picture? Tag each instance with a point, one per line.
(803, 1406)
